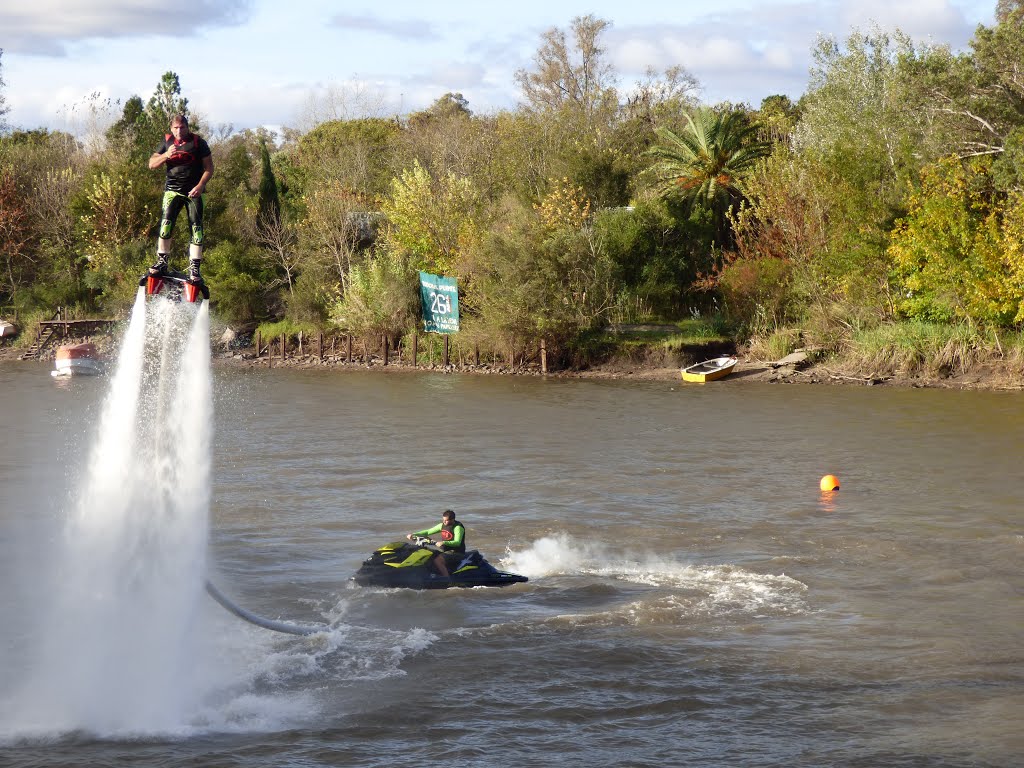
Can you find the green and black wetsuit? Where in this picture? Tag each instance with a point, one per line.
(184, 170)
(453, 535)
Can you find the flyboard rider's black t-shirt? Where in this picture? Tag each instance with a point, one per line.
(185, 165)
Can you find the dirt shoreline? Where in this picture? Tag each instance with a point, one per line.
(650, 365)
(987, 377)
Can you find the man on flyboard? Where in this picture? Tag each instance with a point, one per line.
(189, 165)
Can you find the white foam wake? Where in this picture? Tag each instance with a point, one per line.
(705, 589)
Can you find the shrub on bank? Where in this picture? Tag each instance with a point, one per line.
(917, 347)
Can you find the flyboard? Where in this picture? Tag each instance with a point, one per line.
(175, 286)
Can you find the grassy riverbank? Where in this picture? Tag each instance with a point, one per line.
(908, 354)
(904, 354)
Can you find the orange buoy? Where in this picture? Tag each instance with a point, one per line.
(830, 483)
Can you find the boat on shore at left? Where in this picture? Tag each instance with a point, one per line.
(78, 360)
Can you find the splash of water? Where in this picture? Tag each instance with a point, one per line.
(716, 590)
(114, 657)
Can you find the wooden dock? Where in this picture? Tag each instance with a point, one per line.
(59, 329)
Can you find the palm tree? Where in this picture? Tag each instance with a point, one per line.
(705, 164)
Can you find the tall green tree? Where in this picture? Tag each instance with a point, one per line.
(445, 138)
(142, 125)
(865, 131)
(132, 134)
(572, 109)
(17, 267)
(998, 53)
(655, 256)
(658, 97)
(268, 201)
(271, 229)
(958, 253)
(60, 244)
(166, 101)
(451, 105)
(47, 169)
(539, 279)
(777, 118)
(437, 221)
(977, 96)
(357, 154)
(705, 164)
(381, 296)
(577, 75)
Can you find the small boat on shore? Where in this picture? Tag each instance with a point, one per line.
(78, 360)
(710, 370)
(7, 329)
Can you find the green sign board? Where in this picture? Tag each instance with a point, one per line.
(440, 297)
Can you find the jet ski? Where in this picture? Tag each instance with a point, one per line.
(408, 565)
(175, 286)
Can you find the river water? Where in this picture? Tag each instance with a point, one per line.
(694, 599)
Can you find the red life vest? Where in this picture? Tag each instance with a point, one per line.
(448, 534)
(185, 165)
(185, 150)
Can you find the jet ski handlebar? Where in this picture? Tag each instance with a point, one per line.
(423, 541)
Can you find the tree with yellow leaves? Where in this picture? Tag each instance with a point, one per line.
(959, 252)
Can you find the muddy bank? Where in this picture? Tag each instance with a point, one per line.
(644, 363)
(656, 364)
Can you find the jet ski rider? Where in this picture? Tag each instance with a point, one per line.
(453, 539)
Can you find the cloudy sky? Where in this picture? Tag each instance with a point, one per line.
(285, 62)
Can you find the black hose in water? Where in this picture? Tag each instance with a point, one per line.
(259, 621)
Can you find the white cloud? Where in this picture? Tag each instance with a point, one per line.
(247, 105)
(636, 54)
(405, 29)
(744, 54)
(44, 27)
(77, 110)
(779, 58)
(721, 54)
(450, 76)
(728, 67)
(264, 71)
(917, 18)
